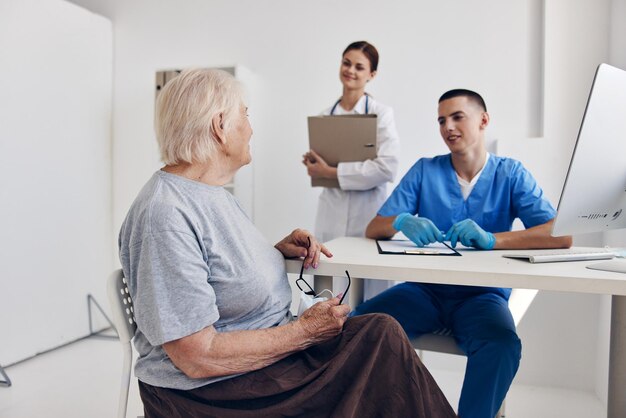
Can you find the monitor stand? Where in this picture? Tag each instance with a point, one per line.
(617, 265)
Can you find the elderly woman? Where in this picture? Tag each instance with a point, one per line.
(215, 335)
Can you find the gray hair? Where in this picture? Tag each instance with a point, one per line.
(185, 110)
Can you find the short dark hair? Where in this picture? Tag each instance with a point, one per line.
(472, 95)
(368, 50)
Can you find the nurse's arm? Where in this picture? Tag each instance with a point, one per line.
(381, 227)
(535, 237)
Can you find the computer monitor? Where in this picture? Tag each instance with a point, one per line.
(594, 192)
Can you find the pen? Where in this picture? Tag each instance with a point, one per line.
(421, 251)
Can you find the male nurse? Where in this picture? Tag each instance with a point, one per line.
(471, 197)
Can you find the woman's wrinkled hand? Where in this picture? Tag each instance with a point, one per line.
(296, 244)
(324, 320)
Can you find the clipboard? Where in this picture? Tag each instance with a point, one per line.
(341, 139)
(407, 247)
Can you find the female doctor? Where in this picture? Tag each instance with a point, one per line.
(346, 211)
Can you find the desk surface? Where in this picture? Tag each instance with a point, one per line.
(478, 268)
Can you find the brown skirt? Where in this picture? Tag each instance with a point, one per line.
(369, 370)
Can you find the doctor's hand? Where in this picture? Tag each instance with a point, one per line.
(471, 235)
(316, 166)
(422, 231)
(301, 243)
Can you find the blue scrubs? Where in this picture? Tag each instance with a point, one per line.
(478, 317)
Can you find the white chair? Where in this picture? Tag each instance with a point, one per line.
(124, 321)
(443, 341)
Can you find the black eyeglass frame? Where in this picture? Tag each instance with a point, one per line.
(311, 292)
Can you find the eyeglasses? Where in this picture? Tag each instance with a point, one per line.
(310, 290)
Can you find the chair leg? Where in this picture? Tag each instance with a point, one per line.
(501, 413)
(125, 386)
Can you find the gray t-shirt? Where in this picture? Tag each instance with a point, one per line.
(194, 259)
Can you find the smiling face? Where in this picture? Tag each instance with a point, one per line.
(355, 70)
(462, 124)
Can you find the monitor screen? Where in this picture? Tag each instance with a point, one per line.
(594, 193)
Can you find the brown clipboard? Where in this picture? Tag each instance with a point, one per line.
(341, 139)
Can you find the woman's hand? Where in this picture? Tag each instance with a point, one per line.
(323, 320)
(316, 167)
(296, 244)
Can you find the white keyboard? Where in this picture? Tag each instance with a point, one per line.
(552, 256)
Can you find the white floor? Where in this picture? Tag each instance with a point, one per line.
(82, 380)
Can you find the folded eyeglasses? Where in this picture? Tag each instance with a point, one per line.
(300, 282)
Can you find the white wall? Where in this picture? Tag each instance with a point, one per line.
(55, 185)
(511, 52)
(297, 60)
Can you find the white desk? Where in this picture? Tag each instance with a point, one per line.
(484, 268)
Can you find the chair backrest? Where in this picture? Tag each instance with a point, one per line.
(124, 320)
(122, 306)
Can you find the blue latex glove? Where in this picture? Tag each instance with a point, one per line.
(471, 235)
(422, 231)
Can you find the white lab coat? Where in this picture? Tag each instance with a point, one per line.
(363, 185)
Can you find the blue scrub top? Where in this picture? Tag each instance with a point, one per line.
(504, 191)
